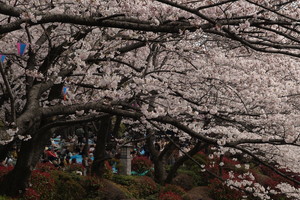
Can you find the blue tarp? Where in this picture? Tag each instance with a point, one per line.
(78, 158)
(139, 174)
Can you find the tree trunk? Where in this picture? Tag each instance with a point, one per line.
(160, 170)
(4, 149)
(16, 181)
(159, 158)
(86, 143)
(180, 162)
(98, 167)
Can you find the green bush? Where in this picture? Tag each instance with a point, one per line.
(139, 186)
(5, 198)
(92, 186)
(112, 191)
(145, 186)
(67, 186)
(123, 179)
(200, 158)
(184, 180)
(198, 178)
(217, 190)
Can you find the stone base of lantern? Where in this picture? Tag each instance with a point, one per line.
(125, 166)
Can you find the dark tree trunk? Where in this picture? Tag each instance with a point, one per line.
(16, 181)
(159, 159)
(180, 162)
(4, 149)
(86, 143)
(98, 167)
(117, 126)
(160, 170)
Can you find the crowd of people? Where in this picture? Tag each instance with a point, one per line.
(75, 150)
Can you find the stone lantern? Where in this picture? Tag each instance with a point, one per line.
(125, 160)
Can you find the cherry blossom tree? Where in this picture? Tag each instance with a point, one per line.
(222, 72)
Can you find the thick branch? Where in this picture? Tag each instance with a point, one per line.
(11, 97)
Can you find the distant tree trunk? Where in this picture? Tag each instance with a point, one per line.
(180, 162)
(117, 126)
(98, 167)
(86, 143)
(159, 159)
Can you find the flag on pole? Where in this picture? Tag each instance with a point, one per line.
(65, 90)
(21, 48)
(2, 57)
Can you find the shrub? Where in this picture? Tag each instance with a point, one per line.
(145, 185)
(43, 184)
(112, 191)
(123, 179)
(45, 167)
(141, 164)
(169, 196)
(30, 194)
(68, 186)
(74, 167)
(184, 180)
(5, 198)
(139, 186)
(174, 189)
(218, 190)
(4, 170)
(197, 178)
(108, 173)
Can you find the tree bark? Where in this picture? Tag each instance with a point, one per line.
(98, 167)
(16, 181)
(4, 149)
(180, 162)
(86, 143)
(159, 158)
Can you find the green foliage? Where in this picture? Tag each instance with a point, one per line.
(108, 173)
(139, 186)
(5, 198)
(1, 125)
(192, 169)
(218, 190)
(200, 158)
(198, 178)
(121, 130)
(186, 180)
(92, 185)
(104, 189)
(123, 179)
(145, 185)
(67, 186)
